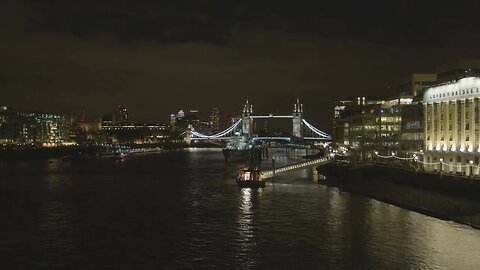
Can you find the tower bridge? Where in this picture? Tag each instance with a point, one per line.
(301, 128)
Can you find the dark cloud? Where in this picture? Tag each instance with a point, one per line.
(158, 57)
(399, 22)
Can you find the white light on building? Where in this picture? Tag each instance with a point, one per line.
(451, 114)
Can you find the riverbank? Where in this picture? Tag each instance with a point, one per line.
(450, 199)
(33, 152)
(78, 152)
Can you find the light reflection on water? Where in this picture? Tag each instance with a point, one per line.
(245, 230)
(183, 209)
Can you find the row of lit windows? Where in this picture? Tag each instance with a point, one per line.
(412, 136)
(459, 136)
(450, 127)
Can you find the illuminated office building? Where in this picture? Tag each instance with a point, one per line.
(215, 120)
(451, 116)
(35, 128)
(366, 126)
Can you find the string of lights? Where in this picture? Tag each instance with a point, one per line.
(451, 165)
(235, 125)
(316, 130)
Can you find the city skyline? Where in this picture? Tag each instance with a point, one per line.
(252, 134)
(157, 58)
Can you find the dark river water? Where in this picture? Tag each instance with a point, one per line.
(183, 210)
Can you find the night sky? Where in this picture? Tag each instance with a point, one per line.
(157, 57)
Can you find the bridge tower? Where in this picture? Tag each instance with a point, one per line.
(247, 122)
(188, 135)
(297, 120)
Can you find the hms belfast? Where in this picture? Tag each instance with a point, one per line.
(241, 148)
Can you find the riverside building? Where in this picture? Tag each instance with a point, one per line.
(366, 127)
(32, 128)
(451, 117)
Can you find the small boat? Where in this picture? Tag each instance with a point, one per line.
(250, 178)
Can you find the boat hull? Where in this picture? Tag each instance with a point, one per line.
(251, 184)
(236, 155)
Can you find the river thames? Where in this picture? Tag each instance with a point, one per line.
(183, 210)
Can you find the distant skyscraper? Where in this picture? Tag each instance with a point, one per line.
(193, 112)
(173, 120)
(340, 107)
(82, 114)
(176, 118)
(123, 113)
(118, 116)
(215, 119)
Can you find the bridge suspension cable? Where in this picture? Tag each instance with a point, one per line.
(218, 135)
(270, 116)
(225, 132)
(316, 130)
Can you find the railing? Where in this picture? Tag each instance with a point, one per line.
(295, 166)
(442, 167)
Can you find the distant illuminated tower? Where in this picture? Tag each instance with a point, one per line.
(297, 119)
(215, 120)
(247, 129)
(123, 114)
(82, 117)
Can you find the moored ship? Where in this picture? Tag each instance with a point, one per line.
(237, 149)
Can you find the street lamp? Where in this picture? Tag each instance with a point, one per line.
(441, 164)
(414, 161)
(471, 168)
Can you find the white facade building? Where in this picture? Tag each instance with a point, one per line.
(451, 129)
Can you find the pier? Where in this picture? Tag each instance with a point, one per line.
(295, 166)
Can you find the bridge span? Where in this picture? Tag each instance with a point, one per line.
(244, 127)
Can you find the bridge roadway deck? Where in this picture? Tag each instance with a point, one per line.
(266, 174)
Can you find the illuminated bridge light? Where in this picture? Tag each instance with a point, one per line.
(268, 174)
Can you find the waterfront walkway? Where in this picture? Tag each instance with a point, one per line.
(295, 166)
